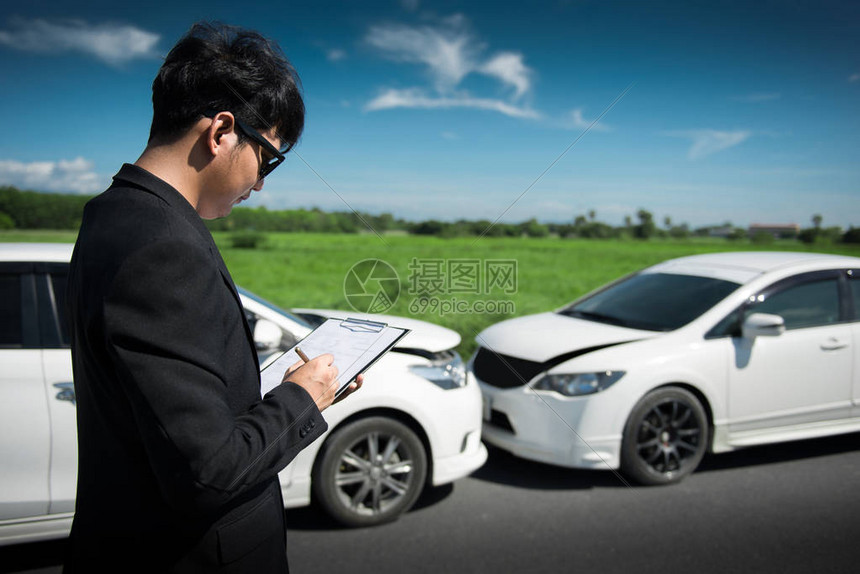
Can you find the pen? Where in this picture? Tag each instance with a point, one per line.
(302, 355)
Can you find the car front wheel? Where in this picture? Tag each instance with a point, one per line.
(665, 437)
(370, 471)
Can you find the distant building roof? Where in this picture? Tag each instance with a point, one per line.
(793, 226)
(721, 230)
(776, 229)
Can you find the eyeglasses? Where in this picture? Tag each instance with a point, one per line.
(276, 157)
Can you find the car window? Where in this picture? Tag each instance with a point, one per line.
(653, 301)
(854, 284)
(288, 339)
(10, 310)
(808, 304)
(729, 326)
(273, 307)
(58, 285)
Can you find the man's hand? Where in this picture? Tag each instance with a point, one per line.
(353, 386)
(319, 378)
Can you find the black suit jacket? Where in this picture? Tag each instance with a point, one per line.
(178, 453)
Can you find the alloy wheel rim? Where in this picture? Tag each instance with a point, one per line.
(669, 435)
(374, 473)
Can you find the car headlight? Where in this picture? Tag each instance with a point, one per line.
(447, 372)
(578, 384)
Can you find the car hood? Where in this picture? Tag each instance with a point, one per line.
(424, 336)
(545, 336)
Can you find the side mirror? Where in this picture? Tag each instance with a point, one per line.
(267, 335)
(763, 325)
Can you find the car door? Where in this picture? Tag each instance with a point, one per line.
(51, 281)
(802, 375)
(25, 441)
(853, 289)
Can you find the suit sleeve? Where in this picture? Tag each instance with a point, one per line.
(170, 335)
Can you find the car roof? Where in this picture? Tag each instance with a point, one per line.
(744, 266)
(53, 252)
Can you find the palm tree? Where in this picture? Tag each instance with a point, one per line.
(816, 220)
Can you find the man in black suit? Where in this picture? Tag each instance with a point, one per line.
(178, 452)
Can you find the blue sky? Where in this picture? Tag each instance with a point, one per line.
(712, 111)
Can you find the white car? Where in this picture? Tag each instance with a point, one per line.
(708, 352)
(416, 420)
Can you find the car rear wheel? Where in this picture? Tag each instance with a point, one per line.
(665, 437)
(370, 471)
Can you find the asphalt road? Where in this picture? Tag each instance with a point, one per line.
(792, 507)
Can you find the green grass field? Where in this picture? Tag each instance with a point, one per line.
(308, 270)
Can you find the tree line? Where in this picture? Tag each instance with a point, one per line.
(34, 210)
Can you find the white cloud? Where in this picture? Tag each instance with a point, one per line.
(416, 98)
(510, 69)
(449, 52)
(335, 55)
(708, 142)
(68, 176)
(409, 5)
(576, 120)
(758, 97)
(112, 43)
(854, 78)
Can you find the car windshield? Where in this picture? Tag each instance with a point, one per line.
(652, 301)
(274, 307)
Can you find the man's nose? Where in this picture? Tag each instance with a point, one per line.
(259, 185)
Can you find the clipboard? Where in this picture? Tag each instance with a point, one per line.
(356, 344)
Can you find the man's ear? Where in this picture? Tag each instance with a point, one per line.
(219, 133)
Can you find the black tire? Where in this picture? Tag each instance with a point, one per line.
(665, 437)
(370, 471)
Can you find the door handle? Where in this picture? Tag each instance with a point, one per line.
(833, 344)
(67, 392)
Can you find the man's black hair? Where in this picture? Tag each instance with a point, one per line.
(216, 67)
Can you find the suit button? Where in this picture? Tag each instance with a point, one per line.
(303, 432)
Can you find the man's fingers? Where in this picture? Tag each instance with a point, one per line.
(292, 369)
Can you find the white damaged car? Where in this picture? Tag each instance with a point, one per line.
(708, 352)
(415, 422)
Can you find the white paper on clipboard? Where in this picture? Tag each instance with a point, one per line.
(355, 344)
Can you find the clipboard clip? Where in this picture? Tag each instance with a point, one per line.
(363, 325)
